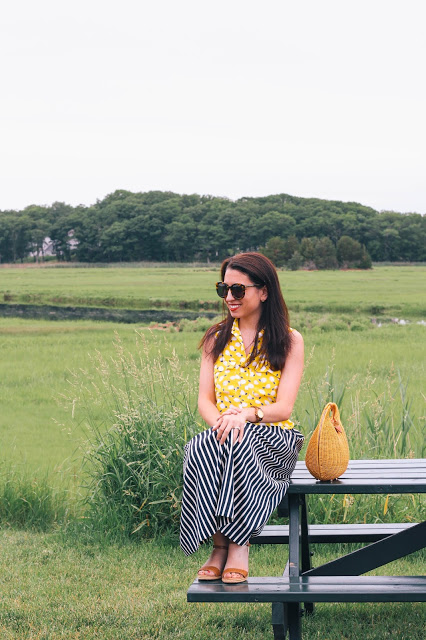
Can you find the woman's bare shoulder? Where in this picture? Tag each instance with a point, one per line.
(296, 336)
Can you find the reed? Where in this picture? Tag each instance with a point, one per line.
(134, 467)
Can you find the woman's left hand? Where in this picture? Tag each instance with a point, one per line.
(232, 419)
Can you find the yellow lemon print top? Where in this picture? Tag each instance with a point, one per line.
(241, 386)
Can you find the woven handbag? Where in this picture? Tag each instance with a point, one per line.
(327, 455)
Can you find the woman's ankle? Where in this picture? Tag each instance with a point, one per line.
(219, 540)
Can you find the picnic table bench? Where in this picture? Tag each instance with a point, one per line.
(339, 580)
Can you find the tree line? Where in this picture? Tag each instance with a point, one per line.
(165, 226)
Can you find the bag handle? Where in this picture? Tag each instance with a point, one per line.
(330, 406)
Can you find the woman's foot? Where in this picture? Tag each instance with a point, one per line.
(237, 557)
(212, 569)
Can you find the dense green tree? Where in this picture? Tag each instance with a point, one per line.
(275, 250)
(307, 249)
(18, 225)
(325, 254)
(158, 225)
(291, 247)
(179, 239)
(295, 262)
(6, 225)
(64, 219)
(272, 224)
(365, 261)
(348, 251)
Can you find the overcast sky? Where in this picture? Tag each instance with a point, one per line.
(315, 98)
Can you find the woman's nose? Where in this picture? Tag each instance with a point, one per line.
(229, 295)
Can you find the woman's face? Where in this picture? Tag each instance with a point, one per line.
(249, 307)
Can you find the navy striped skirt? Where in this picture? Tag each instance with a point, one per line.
(234, 488)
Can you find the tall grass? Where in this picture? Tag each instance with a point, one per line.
(29, 502)
(379, 423)
(134, 467)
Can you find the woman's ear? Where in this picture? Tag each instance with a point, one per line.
(264, 294)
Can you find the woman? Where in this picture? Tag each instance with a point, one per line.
(237, 471)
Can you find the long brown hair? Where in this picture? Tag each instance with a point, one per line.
(274, 319)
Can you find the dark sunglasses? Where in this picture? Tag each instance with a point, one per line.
(238, 290)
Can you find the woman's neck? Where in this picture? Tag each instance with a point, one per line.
(248, 325)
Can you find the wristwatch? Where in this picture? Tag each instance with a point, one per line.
(259, 414)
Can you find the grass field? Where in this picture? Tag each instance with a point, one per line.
(56, 590)
(395, 291)
(57, 585)
(37, 358)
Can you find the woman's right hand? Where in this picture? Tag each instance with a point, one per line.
(231, 420)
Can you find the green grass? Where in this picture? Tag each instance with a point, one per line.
(57, 586)
(392, 290)
(44, 367)
(37, 358)
(61, 589)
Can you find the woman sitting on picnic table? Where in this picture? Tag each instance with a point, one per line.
(237, 471)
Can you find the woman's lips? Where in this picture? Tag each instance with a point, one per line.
(233, 307)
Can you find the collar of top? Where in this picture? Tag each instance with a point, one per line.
(237, 333)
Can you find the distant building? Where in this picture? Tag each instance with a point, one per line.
(48, 248)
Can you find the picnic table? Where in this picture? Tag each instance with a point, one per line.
(340, 580)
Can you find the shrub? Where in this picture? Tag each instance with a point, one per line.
(134, 466)
(29, 502)
(358, 326)
(200, 324)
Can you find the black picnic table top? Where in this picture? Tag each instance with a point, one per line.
(366, 476)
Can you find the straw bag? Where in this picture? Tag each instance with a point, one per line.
(327, 455)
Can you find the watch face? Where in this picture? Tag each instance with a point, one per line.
(260, 414)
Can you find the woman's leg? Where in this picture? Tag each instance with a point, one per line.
(218, 555)
(237, 559)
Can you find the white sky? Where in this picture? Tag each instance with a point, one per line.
(315, 98)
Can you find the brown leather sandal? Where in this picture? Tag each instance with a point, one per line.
(217, 572)
(243, 573)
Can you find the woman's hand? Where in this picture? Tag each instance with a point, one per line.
(233, 419)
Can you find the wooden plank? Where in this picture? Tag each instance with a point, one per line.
(379, 462)
(416, 580)
(387, 474)
(402, 472)
(362, 485)
(374, 475)
(332, 527)
(314, 589)
(418, 464)
(320, 533)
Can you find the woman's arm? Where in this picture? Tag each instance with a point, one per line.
(288, 386)
(206, 394)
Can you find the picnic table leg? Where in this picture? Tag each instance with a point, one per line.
(280, 614)
(294, 621)
(286, 617)
(279, 620)
(306, 552)
(294, 609)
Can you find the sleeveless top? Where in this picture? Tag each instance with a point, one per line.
(242, 386)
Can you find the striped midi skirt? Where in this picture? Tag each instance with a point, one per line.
(235, 487)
